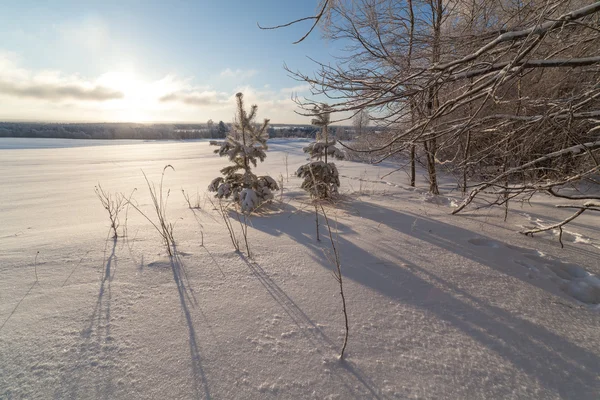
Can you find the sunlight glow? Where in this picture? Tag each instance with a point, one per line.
(138, 97)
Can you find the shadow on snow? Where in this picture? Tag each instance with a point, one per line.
(552, 360)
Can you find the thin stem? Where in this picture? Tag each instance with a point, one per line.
(338, 276)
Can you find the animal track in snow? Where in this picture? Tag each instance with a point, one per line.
(526, 265)
(572, 279)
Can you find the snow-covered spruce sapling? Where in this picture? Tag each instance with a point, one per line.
(321, 178)
(245, 144)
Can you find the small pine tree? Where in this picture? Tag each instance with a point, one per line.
(245, 144)
(321, 178)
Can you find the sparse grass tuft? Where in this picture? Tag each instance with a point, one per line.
(196, 201)
(113, 204)
(159, 202)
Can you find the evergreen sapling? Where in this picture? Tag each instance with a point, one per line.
(245, 144)
(321, 178)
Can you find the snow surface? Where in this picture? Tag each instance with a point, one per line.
(440, 306)
(49, 143)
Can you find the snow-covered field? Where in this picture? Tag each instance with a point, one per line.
(440, 306)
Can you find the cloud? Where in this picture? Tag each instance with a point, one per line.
(122, 95)
(238, 73)
(18, 82)
(272, 104)
(193, 99)
(58, 91)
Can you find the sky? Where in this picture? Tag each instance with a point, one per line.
(153, 61)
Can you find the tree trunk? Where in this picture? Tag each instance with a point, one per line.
(430, 147)
(411, 36)
(437, 10)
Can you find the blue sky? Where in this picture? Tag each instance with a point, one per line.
(152, 60)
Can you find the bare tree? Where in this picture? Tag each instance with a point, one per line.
(504, 91)
(360, 122)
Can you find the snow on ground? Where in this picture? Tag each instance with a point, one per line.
(440, 306)
(28, 143)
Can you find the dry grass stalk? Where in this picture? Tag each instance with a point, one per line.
(287, 175)
(163, 226)
(244, 227)
(338, 277)
(196, 204)
(222, 210)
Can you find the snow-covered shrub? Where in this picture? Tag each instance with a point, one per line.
(246, 143)
(321, 178)
(248, 200)
(321, 148)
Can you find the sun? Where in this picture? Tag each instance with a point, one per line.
(137, 100)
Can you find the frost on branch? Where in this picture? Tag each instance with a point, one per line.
(321, 178)
(245, 145)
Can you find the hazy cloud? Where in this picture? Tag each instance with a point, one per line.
(238, 73)
(193, 99)
(57, 91)
(21, 83)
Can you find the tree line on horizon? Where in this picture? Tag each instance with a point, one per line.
(138, 131)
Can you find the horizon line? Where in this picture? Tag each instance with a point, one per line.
(39, 121)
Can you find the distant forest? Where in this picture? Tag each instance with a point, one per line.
(108, 131)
